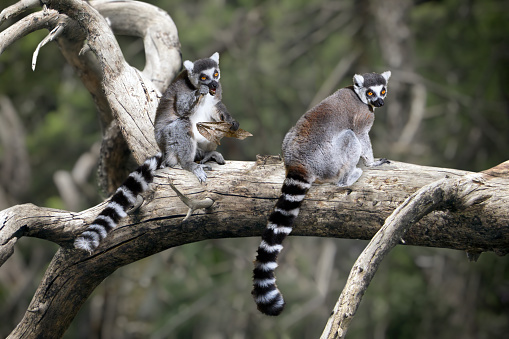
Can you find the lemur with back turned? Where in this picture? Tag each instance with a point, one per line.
(194, 96)
(326, 145)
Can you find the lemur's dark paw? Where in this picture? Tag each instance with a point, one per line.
(203, 90)
(215, 156)
(383, 161)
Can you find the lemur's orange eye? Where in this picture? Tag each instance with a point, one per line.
(383, 92)
(204, 78)
(370, 93)
(216, 74)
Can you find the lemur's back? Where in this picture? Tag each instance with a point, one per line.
(312, 134)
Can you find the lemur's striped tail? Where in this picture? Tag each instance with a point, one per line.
(124, 197)
(266, 295)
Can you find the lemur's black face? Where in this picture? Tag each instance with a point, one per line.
(204, 72)
(210, 78)
(376, 95)
(372, 88)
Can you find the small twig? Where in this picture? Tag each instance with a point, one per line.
(193, 204)
(56, 32)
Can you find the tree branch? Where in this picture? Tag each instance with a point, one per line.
(246, 190)
(449, 194)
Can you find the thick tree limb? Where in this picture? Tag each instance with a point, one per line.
(449, 194)
(244, 193)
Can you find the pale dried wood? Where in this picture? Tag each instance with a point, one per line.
(448, 194)
(243, 194)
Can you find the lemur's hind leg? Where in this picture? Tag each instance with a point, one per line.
(351, 149)
(215, 156)
(183, 148)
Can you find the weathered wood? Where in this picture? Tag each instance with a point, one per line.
(448, 194)
(244, 193)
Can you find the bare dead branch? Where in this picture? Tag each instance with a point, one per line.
(449, 194)
(17, 8)
(53, 34)
(159, 33)
(248, 191)
(27, 25)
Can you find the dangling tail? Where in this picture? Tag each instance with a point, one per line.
(265, 293)
(124, 197)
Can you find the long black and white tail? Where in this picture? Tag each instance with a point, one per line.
(124, 197)
(265, 293)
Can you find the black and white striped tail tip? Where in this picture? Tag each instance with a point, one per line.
(267, 297)
(271, 303)
(120, 202)
(84, 244)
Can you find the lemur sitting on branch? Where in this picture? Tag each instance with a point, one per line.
(326, 144)
(194, 96)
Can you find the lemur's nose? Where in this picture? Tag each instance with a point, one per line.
(378, 102)
(213, 84)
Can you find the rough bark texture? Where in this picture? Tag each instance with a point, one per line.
(448, 194)
(244, 193)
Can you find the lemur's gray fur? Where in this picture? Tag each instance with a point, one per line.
(194, 96)
(325, 145)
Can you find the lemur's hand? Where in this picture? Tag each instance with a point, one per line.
(228, 118)
(203, 90)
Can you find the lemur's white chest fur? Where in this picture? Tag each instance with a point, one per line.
(205, 112)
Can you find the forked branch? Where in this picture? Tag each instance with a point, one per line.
(448, 194)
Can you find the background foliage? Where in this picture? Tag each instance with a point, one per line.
(448, 106)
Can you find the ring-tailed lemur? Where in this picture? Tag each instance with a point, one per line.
(326, 144)
(194, 96)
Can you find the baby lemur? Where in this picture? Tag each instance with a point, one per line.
(194, 96)
(326, 144)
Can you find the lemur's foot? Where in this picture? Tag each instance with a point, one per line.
(214, 155)
(378, 162)
(199, 171)
(351, 178)
(381, 162)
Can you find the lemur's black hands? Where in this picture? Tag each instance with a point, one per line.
(203, 90)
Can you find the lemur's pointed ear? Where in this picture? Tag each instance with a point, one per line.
(358, 80)
(189, 66)
(215, 57)
(386, 75)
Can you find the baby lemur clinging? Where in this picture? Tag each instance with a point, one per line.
(194, 96)
(326, 144)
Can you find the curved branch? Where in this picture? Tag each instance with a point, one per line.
(17, 8)
(248, 191)
(442, 195)
(31, 23)
(159, 33)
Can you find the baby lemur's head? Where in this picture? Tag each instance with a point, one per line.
(371, 87)
(204, 72)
